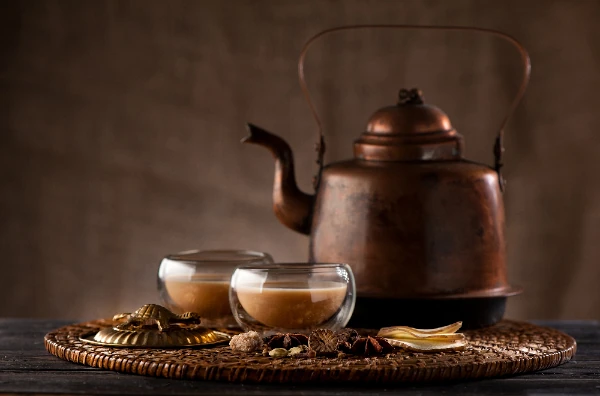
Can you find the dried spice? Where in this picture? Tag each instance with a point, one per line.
(246, 342)
(307, 354)
(323, 342)
(345, 339)
(443, 338)
(278, 352)
(369, 346)
(347, 334)
(298, 350)
(287, 341)
(265, 350)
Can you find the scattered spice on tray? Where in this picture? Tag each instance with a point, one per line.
(325, 342)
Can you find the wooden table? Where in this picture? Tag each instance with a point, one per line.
(26, 367)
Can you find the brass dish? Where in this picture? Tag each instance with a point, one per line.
(153, 326)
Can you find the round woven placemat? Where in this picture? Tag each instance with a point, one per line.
(507, 348)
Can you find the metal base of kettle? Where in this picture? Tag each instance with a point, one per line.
(475, 313)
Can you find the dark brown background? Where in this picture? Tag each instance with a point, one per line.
(121, 123)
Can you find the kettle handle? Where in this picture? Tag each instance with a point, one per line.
(499, 142)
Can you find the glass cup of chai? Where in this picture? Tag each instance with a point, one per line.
(292, 298)
(198, 281)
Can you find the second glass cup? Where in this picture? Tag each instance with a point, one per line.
(287, 298)
(198, 281)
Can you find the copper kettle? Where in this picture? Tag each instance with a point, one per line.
(421, 226)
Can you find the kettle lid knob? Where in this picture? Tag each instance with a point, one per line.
(410, 96)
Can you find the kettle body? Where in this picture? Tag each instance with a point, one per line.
(413, 230)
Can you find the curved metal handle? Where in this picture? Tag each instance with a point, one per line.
(499, 143)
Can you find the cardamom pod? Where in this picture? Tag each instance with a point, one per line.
(278, 352)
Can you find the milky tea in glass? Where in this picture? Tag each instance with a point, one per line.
(292, 297)
(198, 281)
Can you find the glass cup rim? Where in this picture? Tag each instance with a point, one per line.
(212, 256)
(292, 267)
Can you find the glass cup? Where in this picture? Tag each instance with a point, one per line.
(292, 298)
(198, 281)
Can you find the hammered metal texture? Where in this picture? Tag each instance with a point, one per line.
(176, 336)
(507, 348)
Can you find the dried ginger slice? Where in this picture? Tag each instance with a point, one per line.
(425, 340)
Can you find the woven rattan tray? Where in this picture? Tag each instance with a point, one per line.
(507, 348)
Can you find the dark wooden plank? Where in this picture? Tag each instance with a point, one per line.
(25, 324)
(32, 361)
(582, 331)
(22, 345)
(113, 383)
(26, 334)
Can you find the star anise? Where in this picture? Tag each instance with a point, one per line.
(346, 338)
(287, 340)
(323, 342)
(369, 346)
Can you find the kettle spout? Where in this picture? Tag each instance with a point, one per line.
(292, 207)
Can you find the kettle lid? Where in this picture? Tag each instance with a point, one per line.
(408, 131)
